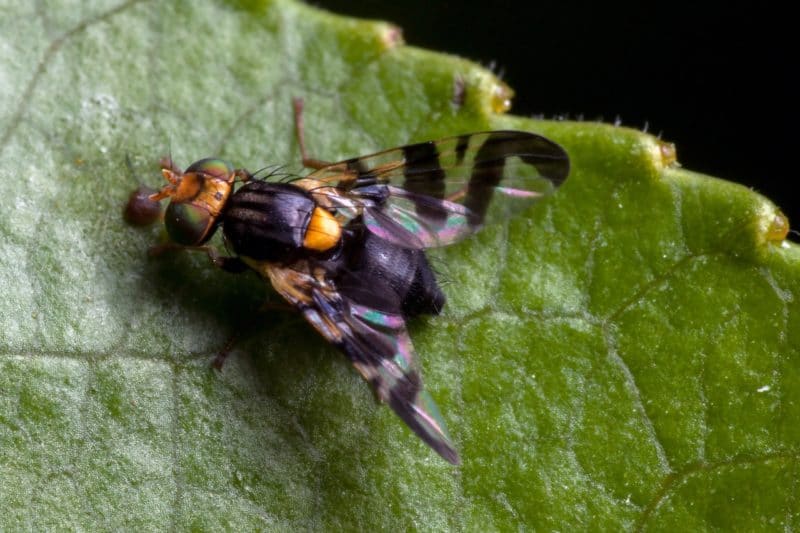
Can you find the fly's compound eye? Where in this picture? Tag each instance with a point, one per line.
(212, 167)
(188, 224)
(197, 198)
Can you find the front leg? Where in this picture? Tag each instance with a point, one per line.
(230, 264)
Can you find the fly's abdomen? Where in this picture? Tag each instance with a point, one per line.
(268, 221)
(399, 279)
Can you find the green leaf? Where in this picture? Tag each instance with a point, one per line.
(622, 356)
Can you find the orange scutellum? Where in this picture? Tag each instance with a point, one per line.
(323, 231)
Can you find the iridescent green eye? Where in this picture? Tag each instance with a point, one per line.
(187, 223)
(218, 168)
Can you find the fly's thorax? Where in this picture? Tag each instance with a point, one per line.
(278, 222)
(197, 198)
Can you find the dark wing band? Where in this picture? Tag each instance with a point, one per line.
(438, 192)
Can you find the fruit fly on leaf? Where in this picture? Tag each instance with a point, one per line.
(345, 244)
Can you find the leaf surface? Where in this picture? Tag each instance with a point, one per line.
(624, 355)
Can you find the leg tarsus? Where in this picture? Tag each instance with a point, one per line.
(219, 360)
(160, 249)
(230, 264)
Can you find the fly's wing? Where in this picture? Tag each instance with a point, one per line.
(437, 192)
(377, 344)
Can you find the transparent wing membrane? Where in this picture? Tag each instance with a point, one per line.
(440, 191)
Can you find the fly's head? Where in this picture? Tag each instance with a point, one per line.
(197, 198)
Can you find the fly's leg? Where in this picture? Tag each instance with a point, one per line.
(226, 263)
(219, 360)
(308, 162)
(235, 266)
(222, 355)
(230, 264)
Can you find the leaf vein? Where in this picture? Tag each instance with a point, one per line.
(50, 52)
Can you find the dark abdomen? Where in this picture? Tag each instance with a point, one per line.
(388, 277)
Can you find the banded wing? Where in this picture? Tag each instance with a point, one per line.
(437, 192)
(376, 342)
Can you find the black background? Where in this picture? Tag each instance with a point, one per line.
(712, 78)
